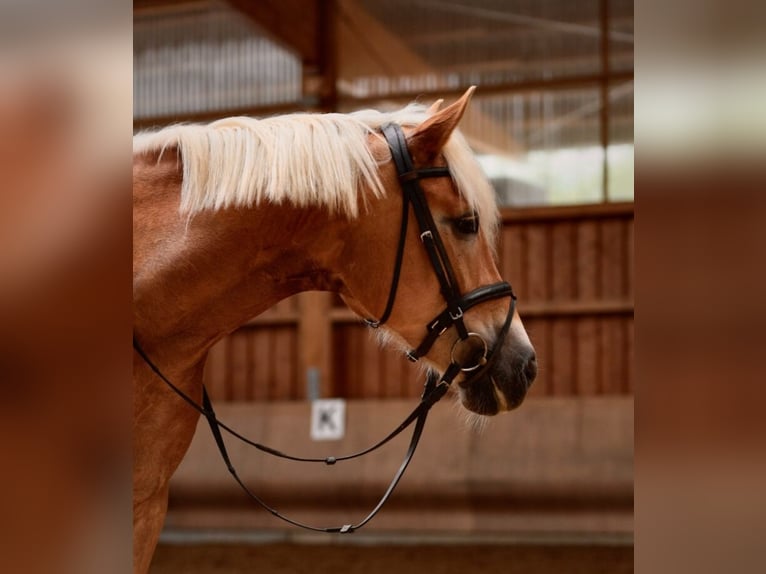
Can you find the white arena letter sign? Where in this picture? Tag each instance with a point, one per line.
(328, 419)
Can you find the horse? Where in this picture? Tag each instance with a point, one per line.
(233, 216)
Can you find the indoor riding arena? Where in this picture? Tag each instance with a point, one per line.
(545, 488)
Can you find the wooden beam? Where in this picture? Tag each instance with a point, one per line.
(483, 33)
(257, 111)
(157, 6)
(548, 309)
(572, 82)
(567, 212)
(368, 48)
(293, 23)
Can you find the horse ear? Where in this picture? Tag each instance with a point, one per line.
(434, 107)
(427, 139)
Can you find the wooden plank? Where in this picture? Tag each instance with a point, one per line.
(346, 354)
(539, 333)
(274, 367)
(596, 307)
(561, 366)
(371, 367)
(338, 361)
(588, 374)
(628, 376)
(629, 257)
(297, 379)
(215, 370)
(573, 213)
(273, 319)
(588, 259)
(549, 309)
(391, 379)
(283, 361)
(412, 379)
(512, 262)
(238, 365)
(612, 259)
(260, 342)
(536, 263)
(563, 261)
(612, 364)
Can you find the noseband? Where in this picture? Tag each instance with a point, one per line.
(463, 358)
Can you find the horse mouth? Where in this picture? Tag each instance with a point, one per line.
(501, 390)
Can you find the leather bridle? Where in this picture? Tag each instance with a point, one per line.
(457, 304)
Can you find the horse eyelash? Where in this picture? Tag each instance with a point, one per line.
(467, 224)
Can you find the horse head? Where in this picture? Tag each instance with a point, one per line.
(461, 207)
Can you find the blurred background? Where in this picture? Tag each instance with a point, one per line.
(547, 488)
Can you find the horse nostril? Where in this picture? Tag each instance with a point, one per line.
(530, 369)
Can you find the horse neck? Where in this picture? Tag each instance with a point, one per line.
(197, 280)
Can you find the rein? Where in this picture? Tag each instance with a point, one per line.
(435, 387)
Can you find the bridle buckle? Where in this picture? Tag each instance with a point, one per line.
(457, 315)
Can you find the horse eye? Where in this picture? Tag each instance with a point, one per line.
(467, 225)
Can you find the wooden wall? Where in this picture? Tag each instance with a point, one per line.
(571, 267)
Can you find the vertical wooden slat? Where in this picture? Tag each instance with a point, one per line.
(215, 370)
(563, 262)
(371, 371)
(350, 352)
(512, 257)
(539, 333)
(628, 387)
(339, 362)
(262, 363)
(391, 376)
(612, 259)
(238, 366)
(629, 257)
(225, 388)
(561, 363)
(360, 366)
(612, 355)
(297, 381)
(588, 261)
(283, 362)
(251, 366)
(412, 379)
(537, 263)
(272, 380)
(588, 373)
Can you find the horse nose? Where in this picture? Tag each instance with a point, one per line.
(530, 369)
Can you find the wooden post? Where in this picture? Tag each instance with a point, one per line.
(315, 340)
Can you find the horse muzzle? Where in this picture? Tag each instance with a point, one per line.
(504, 386)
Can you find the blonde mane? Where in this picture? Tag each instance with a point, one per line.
(306, 159)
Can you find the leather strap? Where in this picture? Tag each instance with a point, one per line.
(434, 389)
